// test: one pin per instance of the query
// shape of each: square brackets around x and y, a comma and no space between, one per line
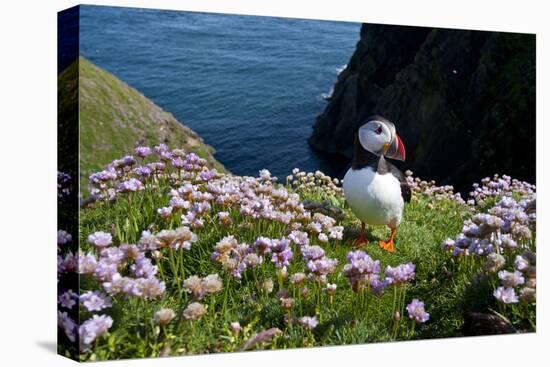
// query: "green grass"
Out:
[444,283]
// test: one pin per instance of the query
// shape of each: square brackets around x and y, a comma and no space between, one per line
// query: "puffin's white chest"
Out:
[374,198]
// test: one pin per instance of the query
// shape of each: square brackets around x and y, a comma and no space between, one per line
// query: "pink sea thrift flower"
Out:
[299,238]
[506,295]
[511,279]
[164,316]
[67,324]
[63,237]
[281,253]
[68,299]
[401,273]
[92,328]
[235,327]
[95,301]
[87,263]
[130,185]
[308,323]
[143,152]
[416,311]
[100,239]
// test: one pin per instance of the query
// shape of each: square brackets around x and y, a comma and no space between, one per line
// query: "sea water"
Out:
[250,86]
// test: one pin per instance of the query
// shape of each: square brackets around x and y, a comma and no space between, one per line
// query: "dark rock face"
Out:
[462,101]
[486,324]
[325,208]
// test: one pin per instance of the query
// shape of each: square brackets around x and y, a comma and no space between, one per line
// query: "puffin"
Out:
[376,190]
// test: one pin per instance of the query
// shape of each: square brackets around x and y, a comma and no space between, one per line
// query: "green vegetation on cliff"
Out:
[115,118]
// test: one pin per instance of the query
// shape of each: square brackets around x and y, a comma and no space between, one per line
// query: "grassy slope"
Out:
[67,95]
[114,118]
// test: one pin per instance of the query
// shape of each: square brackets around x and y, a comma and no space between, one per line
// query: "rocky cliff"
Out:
[463,101]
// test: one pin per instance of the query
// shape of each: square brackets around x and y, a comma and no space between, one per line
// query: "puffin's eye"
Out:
[378,130]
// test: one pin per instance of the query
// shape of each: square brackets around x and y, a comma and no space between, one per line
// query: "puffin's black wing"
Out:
[386,167]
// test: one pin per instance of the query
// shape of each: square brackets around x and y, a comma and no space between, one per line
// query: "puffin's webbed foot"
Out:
[388,245]
[362,240]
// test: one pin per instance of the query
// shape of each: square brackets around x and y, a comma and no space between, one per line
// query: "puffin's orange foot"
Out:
[387,245]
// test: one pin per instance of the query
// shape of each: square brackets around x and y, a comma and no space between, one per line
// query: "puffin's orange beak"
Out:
[396,149]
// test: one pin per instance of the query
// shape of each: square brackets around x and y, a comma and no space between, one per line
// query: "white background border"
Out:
[28,77]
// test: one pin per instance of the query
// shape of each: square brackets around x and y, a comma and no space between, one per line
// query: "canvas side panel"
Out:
[67,182]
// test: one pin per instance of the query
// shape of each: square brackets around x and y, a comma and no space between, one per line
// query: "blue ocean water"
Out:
[250,86]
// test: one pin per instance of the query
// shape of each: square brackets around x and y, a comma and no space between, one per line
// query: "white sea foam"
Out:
[341,68]
[328,95]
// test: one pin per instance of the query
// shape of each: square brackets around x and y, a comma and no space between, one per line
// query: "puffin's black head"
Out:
[378,136]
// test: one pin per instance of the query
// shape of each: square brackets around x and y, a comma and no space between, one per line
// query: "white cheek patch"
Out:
[371,141]
[365,138]
[387,134]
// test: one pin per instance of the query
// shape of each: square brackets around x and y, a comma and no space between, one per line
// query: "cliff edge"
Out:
[463,101]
